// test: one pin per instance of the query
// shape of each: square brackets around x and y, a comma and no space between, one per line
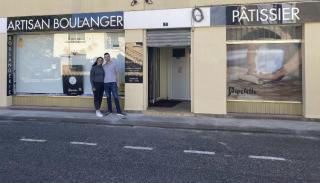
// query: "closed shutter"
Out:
[169,38]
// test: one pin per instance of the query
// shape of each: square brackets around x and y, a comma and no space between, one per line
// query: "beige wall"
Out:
[209,70]
[51,7]
[134,92]
[162,4]
[4,100]
[311,71]
[134,97]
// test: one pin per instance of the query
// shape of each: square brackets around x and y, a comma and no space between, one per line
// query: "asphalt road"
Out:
[36,152]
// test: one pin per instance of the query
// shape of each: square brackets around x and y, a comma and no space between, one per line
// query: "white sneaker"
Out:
[99,114]
[120,114]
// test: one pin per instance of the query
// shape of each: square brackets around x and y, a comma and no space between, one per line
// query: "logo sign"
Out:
[263,14]
[86,21]
[197,15]
[73,80]
[10,66]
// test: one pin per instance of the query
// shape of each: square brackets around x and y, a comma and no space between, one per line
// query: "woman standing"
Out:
[96,78]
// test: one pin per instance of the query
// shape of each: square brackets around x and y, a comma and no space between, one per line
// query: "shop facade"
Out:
[257,57]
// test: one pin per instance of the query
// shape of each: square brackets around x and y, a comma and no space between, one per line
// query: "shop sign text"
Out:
[237,91]
[265,14]
[89,21]
[10,66]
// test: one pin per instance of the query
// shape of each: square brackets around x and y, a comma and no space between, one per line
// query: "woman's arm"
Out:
[91,77]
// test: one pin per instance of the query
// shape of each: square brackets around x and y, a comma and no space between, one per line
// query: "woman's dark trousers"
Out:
[98,94]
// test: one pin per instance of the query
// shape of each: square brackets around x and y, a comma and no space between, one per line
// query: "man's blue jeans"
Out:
[112,88]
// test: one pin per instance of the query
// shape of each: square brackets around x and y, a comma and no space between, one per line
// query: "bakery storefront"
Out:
[51,56]
[258,58]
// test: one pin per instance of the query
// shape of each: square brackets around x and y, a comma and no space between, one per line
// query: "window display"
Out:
[264,63]
[41,59]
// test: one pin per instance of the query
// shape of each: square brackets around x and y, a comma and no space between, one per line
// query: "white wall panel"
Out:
[3,25]
[156,19]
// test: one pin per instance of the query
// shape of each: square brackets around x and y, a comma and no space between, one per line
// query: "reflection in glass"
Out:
[40,59]
[264,33]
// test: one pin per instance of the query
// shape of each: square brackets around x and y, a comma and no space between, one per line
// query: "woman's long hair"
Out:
[96,62]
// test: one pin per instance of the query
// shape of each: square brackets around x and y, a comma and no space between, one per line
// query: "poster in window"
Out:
[134,63]
[72,79]
[265,72]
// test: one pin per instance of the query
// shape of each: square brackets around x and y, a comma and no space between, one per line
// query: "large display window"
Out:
[44,61]
[264,63]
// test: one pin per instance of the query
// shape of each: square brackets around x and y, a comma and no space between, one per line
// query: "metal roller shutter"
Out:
[169,38]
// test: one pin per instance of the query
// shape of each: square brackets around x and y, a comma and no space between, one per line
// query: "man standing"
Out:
[111,83]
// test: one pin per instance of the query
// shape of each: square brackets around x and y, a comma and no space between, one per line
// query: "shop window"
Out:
[112,41]
[264,63]
[76,37]
[44,61]
[264,33]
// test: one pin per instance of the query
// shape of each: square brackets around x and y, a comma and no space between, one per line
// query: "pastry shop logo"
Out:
[245,91]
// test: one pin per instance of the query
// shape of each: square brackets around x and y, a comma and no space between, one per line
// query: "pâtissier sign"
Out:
[264,14]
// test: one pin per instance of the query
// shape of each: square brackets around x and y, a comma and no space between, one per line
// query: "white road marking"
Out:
[309,137]
[222,143]
[244,133]
[32,140]
[227,155]
[139,148]
[83,143]
[199,152]
[267,158]
[225,145]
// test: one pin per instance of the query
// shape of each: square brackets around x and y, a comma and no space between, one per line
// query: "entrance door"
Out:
[180,88]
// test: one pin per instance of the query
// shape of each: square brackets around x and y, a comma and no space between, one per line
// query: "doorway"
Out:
[169,79]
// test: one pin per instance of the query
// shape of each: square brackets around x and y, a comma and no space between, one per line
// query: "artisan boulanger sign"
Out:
[85,21]
[257,14]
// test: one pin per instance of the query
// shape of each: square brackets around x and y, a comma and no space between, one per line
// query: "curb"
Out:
[165,125]
[222,116]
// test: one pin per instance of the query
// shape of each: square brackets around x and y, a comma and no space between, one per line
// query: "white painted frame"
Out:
[3,25]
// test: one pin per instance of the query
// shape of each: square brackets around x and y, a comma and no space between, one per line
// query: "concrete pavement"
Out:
[292,126]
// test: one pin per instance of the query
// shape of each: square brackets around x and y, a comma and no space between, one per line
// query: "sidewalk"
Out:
[286,126]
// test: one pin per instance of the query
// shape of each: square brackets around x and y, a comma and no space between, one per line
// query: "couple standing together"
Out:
[104,77]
